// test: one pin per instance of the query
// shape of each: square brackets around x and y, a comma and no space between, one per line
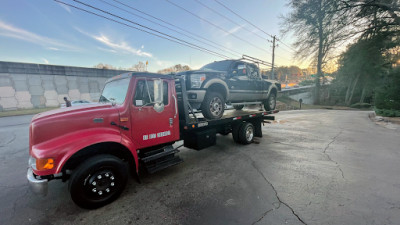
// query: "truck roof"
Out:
[139,74]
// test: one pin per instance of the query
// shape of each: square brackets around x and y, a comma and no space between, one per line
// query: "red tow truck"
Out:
[139,118]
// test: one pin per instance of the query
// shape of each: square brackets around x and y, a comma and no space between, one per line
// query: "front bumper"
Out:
[38,186]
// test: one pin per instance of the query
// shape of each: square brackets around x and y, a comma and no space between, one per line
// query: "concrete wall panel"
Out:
[7,92]
[8,103]
[23,96]
[5,80]
[26,85]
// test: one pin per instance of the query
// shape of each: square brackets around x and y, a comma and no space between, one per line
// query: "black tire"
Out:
[238,107]
[270,102]
[213,105]
[235,132]
[98,181]
[246,133]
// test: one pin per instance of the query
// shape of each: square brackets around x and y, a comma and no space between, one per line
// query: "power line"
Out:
[181,33]
[294,50]
[258,28]
[146,27]
[179,28]
[226,7]
[220,28]
[154,34]
[230,20]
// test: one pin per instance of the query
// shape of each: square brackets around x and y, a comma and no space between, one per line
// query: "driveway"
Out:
[311,167]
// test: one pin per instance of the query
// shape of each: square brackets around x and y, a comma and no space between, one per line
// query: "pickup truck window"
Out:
[115,91]
[239,69]
[144,93]
[253,72]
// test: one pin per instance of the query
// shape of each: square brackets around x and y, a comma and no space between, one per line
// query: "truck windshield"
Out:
[220,66]
[115,91]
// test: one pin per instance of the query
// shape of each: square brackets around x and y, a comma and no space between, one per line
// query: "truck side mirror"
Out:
[158,95]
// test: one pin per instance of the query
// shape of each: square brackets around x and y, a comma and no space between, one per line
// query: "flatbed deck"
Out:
[229,116]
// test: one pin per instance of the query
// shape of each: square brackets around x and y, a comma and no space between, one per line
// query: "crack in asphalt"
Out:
[329,157]
[262,217]
[14,209]
[10,141]
[276,194]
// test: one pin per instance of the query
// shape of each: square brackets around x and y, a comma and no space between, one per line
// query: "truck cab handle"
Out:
[122,127]
[176,106]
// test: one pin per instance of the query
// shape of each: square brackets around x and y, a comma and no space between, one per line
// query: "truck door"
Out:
[256,83]
[239,83]
[153,123]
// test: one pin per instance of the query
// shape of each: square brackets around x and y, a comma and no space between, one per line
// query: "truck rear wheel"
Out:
[213,105]
[270,103]
[243,133]
[246,133]
[98,181]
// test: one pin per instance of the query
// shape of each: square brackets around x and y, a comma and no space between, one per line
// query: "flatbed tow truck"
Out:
[142,116]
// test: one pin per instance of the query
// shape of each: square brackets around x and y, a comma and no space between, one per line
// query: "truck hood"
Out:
[69,110]
[57,123]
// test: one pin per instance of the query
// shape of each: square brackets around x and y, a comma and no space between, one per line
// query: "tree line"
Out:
[368,69]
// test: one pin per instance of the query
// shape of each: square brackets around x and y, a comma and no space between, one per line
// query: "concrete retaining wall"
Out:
[304,93]
[25,85]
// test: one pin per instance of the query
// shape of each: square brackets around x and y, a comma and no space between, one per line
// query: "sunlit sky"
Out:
[46,32]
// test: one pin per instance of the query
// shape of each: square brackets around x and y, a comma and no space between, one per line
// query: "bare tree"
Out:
[139,67]
[319,28]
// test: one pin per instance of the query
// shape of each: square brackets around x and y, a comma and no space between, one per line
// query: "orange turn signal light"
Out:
[44,164]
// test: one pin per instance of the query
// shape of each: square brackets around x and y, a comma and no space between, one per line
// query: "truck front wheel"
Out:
[213,105]
[98,181]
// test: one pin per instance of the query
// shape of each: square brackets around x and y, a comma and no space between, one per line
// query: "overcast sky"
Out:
[46,32]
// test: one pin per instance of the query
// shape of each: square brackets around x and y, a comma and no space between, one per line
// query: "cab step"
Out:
[159,159]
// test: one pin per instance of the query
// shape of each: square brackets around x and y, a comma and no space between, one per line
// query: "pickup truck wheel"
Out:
[246,133]
[238,107]
[270,103]
[98,181]
[213,105]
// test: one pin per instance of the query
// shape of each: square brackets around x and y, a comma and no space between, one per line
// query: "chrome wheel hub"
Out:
[216,106]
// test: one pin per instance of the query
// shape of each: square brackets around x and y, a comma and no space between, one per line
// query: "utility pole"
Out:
[273,58]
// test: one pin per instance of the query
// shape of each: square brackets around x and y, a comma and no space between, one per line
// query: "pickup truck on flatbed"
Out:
[139,118]
[234,82]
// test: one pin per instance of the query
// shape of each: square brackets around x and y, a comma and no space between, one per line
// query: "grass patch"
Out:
[24,112]
[387,112]
[361,106]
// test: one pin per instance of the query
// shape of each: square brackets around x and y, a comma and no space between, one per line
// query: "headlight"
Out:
[41,164]
[196,80]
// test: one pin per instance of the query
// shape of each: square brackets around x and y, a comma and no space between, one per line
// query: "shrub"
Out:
[387,96]
[361,105]
[307,82]
[387,112]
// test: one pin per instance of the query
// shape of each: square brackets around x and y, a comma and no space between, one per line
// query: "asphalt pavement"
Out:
[310,167]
